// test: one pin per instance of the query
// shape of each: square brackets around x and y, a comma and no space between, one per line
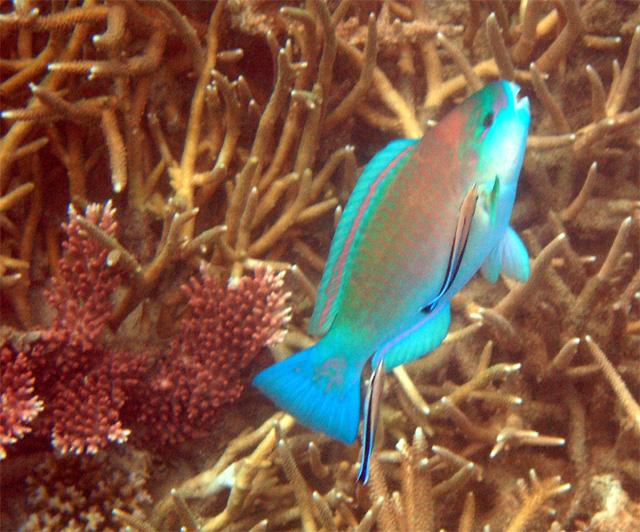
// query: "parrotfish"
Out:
[423,218]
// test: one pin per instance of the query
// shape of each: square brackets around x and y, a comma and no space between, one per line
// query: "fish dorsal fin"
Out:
[509,256]
[463,227]
[383,166]
[418,340]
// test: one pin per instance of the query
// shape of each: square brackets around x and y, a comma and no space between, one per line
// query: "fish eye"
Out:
[488,120]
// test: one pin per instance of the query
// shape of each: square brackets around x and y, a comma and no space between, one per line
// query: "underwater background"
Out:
[171,175]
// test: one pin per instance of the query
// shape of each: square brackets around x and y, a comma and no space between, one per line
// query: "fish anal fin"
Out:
[421,338]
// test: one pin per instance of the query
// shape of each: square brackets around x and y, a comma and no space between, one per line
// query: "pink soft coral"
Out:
[19,403]
[83,383]
[227,328]
[81,295]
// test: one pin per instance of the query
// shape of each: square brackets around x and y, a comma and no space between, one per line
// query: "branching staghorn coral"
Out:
[555,266]
[628,402]
[414,507]
[67,493]
[223,114]
[220,112]
[535,498]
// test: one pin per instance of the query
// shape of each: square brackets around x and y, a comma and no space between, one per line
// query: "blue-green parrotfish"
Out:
[424,216]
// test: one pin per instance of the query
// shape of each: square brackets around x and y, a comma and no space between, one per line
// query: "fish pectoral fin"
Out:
[370,416]
[491,201]
[461,235]
[509,256]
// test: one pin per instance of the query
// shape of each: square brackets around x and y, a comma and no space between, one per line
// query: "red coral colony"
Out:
[71,386]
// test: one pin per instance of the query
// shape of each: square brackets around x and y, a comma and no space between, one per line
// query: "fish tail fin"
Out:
[319,388]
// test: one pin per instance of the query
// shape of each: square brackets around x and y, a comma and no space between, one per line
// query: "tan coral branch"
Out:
[535,498]
[620,388]
[349,102]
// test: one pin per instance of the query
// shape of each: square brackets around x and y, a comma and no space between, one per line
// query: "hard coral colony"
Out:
[207,151]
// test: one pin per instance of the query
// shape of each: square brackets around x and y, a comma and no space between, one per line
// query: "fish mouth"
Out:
[519,101]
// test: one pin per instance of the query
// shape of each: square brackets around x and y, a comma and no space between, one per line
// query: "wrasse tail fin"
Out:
[416,341]
[510,256]
[318,388]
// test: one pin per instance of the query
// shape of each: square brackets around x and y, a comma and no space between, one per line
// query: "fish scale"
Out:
[403,259]
[420,222]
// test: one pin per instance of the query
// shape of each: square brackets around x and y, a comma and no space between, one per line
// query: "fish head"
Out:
[495,134]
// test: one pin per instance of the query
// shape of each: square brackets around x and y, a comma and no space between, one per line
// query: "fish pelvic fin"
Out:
[509,256]
[319,388]
[418,340]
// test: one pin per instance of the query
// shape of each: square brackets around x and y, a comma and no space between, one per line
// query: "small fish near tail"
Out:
[319,387]
[371,410]
[463,228]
